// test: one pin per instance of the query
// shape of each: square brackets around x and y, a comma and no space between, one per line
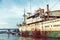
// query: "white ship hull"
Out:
[49,28]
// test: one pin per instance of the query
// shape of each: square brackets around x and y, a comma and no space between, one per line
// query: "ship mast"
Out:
[24,17]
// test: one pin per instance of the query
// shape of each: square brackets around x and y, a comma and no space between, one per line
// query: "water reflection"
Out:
[16,37]
[29,38]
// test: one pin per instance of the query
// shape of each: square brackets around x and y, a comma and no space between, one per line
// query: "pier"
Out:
[10,30]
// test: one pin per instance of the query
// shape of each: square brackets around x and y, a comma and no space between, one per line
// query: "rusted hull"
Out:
[35,34]
[25,33]
[42,34]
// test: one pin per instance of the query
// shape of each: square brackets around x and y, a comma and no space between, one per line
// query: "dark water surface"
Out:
[16,37]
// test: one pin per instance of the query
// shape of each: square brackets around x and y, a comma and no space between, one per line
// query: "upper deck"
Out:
[40,16]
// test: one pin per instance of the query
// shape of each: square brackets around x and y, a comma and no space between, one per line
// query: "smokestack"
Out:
[47,8]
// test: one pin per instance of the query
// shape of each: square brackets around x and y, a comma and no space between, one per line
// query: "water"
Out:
[16,37]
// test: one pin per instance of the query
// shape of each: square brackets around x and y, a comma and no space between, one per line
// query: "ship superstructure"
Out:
[41,24]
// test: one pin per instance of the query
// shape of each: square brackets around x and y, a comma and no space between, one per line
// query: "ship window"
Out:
[41,16]
[46,26]
[56,26]
[36,15]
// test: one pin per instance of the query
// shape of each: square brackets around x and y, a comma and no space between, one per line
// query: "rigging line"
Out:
[30,5]
[26,5]
[54,4]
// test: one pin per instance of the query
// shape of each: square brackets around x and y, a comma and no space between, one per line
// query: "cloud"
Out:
[14,12]
[11,11]
[3,23]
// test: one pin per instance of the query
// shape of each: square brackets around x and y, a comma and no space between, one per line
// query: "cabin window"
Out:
[56,25]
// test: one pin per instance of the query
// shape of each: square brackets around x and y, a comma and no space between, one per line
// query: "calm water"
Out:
[16,37]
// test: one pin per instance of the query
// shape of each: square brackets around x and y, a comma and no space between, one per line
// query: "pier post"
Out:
[8,31]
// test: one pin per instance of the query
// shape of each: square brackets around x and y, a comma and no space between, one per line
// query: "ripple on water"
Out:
[15,37]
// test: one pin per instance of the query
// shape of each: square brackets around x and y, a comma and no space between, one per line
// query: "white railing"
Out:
[49,25]
[53,25]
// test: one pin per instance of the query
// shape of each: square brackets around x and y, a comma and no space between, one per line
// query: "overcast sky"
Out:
[11,11]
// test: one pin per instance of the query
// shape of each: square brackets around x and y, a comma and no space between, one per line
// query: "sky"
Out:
[11,11]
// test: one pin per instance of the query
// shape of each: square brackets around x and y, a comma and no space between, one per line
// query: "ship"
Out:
[41,24]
